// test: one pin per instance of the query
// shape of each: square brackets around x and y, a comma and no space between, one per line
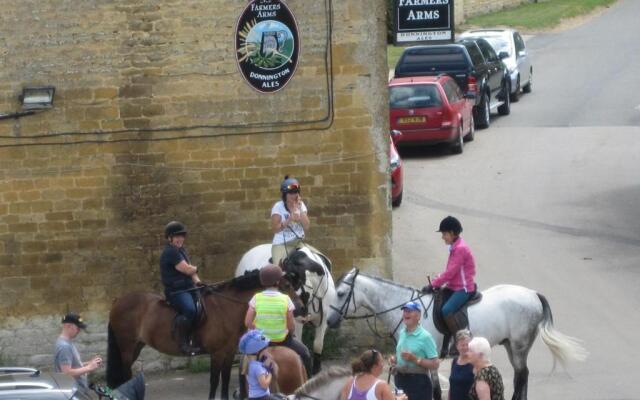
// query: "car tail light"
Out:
[472,84]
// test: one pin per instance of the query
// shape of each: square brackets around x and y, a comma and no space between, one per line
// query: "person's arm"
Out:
[483,390]
[383,392]
[86,368]
[454,265]
[187,268]
[291,322]
[264,380]
[249,318]
[277,224]
[428,363]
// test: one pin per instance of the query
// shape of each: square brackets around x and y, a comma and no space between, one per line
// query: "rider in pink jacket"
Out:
[459,275]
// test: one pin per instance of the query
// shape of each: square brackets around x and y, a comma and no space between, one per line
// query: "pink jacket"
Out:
[461,269]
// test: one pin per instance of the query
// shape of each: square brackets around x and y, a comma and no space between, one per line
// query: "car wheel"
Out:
[396,202]
[505,108]
[472,130]
[457,147]
[483,113]
[527,88]
[515,96]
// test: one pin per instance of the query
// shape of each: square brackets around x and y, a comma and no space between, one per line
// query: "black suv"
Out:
[473,64]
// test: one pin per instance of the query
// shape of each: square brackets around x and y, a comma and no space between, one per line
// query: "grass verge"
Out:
[543,15]
[540,16]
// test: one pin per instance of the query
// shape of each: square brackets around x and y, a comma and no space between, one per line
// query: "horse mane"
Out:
[377,278]
[249,281]
[322,379]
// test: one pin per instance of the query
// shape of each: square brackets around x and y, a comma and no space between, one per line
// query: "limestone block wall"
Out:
[152,122]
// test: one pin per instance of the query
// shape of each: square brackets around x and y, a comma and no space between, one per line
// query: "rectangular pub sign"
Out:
[423,21]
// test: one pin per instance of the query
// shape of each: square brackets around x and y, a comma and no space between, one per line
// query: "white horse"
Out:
[316,281]
[508,315]
[326,385]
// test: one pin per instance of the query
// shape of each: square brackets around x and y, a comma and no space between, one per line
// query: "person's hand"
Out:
[402,397]
[200,284]
[428,289]
[392,360]
[408,356]
[95,363]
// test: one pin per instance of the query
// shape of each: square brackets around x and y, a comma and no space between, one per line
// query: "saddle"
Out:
[462,320]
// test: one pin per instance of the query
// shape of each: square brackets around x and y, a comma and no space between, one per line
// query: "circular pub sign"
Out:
[267,45]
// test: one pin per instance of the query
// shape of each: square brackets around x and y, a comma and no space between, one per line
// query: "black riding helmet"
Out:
[450,224]
[174,228]
[289,185]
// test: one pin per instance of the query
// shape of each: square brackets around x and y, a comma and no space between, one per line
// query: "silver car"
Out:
[518,62]
[29,383]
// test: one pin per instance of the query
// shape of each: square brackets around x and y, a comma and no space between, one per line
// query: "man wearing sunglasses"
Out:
[289,220]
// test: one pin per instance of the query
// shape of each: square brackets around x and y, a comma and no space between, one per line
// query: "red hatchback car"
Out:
[429,110]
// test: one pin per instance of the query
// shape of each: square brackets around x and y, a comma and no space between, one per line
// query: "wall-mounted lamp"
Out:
[37,97]
[33,99]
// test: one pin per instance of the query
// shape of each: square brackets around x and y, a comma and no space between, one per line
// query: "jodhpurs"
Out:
[455,302]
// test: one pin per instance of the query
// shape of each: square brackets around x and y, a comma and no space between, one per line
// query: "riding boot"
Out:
[317,363]
[452,325]
[183,327]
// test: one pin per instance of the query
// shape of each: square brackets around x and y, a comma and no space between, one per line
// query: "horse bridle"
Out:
[344,308]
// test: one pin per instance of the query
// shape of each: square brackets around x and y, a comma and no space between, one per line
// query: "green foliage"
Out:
[544,14]
[198,365]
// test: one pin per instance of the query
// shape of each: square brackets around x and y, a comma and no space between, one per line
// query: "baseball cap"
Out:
[73,318]
[412,305]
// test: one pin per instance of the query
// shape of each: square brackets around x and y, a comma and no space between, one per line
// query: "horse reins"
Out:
[351,298]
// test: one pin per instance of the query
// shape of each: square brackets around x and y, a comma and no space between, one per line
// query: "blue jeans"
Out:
[455,302]
[184,303]
[415,386]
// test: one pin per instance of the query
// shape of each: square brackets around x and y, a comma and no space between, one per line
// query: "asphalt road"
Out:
[549,198]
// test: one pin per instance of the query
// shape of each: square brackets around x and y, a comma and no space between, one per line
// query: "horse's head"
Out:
[344,297]
[298,263]
[287,287]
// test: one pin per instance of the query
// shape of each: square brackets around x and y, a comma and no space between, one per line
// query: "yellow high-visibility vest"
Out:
[271,315]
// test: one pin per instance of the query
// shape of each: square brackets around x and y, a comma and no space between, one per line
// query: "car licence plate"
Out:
[412,120]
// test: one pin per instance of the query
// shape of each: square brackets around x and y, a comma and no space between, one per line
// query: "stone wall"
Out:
[152,122]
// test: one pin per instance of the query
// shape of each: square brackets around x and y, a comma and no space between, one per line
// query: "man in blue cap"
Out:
[416,354]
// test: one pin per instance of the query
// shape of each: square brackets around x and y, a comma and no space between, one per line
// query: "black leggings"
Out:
[299,348]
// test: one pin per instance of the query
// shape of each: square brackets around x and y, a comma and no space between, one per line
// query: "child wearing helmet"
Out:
[257,372]
[272,312]
[289,220]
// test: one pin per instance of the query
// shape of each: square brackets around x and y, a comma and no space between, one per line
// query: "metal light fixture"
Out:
[37,97]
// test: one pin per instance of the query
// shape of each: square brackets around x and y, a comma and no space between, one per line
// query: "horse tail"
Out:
[115,376]
[564,348]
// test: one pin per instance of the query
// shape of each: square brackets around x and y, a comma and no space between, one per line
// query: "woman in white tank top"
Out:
[365,384]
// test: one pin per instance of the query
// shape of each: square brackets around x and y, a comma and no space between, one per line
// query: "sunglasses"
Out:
[293,188]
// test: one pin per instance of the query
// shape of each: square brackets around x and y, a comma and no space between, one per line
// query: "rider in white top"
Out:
[289,220]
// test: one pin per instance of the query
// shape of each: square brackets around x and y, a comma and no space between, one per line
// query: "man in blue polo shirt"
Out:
[416,354]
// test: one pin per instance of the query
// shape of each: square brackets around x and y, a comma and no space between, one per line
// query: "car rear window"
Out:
[432,59]
[414,96]
[499,44]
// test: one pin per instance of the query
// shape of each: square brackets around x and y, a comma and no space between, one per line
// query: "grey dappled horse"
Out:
[508,315]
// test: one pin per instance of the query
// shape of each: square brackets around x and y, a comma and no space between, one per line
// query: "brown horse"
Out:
[139,319]
[290,372]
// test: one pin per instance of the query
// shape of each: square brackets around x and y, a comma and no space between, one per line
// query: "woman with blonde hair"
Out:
[487,384]
[365,384]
